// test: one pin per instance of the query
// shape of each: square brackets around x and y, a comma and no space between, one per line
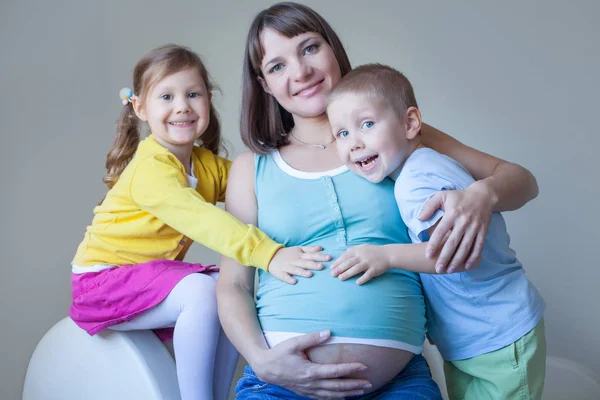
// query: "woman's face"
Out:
[299,72]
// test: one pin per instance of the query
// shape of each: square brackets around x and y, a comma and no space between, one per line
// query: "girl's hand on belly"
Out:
[297,261]
[367,258]
[288,366]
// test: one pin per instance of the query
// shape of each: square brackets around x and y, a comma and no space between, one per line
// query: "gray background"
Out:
[518,79]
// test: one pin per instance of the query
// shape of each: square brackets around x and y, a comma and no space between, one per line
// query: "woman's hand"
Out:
[288,366]
[297,261]
[462,229]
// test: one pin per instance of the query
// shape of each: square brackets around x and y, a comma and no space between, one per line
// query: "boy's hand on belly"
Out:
[299,261]
[288,366]
[367,258]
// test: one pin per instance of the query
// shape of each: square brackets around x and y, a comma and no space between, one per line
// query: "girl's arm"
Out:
[285,364]
[500,186]
[159,188]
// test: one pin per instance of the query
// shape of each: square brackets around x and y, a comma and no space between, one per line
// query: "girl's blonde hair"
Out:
[154,66]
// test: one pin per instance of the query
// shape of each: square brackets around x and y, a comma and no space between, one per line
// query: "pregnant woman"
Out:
[366,340]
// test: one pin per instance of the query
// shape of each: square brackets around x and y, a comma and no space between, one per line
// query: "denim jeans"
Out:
[412,383]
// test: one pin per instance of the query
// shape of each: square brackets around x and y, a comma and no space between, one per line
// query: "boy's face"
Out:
[370,137]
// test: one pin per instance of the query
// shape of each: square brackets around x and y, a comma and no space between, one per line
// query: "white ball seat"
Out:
[69,364]
[566,379]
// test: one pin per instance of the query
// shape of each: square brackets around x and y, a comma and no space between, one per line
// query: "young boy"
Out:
[486,322]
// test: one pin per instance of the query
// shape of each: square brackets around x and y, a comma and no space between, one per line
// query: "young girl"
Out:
[128,272]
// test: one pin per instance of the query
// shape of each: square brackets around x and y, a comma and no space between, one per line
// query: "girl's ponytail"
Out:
[124,145]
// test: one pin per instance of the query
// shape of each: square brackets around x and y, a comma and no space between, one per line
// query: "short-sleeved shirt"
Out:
[474,312]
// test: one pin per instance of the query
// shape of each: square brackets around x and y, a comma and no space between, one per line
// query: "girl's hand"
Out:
[467,215]
[298,261]
[365,258]
[288,366]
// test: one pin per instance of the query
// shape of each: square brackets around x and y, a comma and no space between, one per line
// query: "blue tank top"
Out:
[335,209]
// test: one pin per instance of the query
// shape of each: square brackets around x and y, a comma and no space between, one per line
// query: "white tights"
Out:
[205,358]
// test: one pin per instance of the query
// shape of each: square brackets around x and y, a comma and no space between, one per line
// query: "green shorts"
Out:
[516,371]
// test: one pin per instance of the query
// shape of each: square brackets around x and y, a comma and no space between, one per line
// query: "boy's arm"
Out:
[423,175]
[411,257]
[374,260]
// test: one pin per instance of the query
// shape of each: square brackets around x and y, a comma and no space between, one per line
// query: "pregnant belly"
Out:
[383,363]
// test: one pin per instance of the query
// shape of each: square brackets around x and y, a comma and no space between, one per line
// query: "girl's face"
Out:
[177,109]
[299,72]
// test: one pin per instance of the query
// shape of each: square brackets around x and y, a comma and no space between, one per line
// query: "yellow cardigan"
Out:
[152,214]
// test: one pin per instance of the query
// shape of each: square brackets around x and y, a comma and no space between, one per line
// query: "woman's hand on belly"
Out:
[383,363]
[287,365]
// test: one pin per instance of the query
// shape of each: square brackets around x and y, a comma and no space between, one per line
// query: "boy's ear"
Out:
[264,85]
[138,108]
[412,122]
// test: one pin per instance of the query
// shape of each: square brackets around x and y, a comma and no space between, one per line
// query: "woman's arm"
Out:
[509,186]
[500,186]
[285,364]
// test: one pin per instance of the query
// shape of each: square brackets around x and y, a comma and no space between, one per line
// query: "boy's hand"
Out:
[365,258]
[298,261]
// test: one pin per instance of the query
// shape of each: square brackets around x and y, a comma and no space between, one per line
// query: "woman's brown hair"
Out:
[264,123]
[154,66]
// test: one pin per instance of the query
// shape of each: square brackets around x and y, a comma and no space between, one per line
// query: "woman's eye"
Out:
[276,68]
[311,49]
[193,95]
[166,97]
[368,124]
[342,134]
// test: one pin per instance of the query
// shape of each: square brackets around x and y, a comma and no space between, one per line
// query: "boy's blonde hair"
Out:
[380,82]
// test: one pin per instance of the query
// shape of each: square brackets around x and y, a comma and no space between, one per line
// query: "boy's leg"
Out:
[457,382]
[516,371]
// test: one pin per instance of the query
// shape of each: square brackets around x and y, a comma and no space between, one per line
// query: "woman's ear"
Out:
[264,85]
[412,122]
[138,108]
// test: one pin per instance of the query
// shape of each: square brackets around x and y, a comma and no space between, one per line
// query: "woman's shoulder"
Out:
[244,162]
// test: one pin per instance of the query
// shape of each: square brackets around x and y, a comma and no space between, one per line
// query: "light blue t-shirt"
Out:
[335,209]
[474,312]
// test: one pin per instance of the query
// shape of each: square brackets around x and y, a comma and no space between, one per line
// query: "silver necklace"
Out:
[320,146]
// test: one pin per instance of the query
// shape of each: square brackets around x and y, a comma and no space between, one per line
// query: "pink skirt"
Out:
[116,295]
